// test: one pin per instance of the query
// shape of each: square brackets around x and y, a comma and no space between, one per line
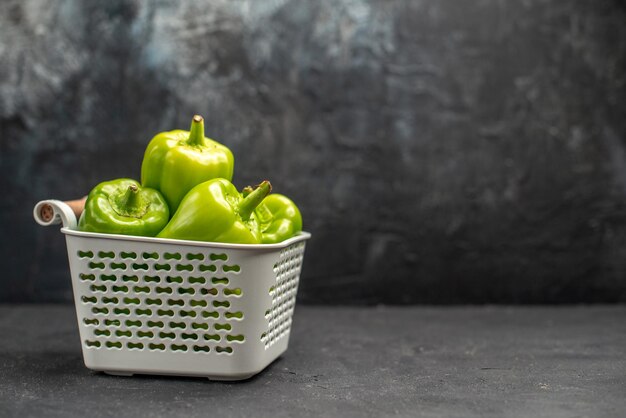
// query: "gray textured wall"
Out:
[441,151]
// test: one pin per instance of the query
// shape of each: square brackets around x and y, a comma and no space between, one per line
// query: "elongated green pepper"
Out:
[176,161]
[278,216]
[215,211]
[123,207]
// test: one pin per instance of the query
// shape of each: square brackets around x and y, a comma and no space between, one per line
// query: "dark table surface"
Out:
[418,361]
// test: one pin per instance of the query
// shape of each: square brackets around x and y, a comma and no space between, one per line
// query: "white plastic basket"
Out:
[172,307]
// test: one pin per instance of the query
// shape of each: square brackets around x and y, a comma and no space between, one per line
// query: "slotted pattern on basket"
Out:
[177,301]
[283,293]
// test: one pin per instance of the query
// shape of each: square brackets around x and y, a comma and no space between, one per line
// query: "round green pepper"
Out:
[123,207]
[278,216]
[176,161]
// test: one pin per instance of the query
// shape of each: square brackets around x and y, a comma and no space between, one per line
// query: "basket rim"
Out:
[302,236]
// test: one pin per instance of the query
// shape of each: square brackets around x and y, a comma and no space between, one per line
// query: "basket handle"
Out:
[52,212]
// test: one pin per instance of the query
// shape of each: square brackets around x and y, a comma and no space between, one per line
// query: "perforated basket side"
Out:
[283,293]
[180,309]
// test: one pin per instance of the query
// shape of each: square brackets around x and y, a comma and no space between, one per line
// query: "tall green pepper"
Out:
[278,216]
[123,207]
[215,211]
[176,161]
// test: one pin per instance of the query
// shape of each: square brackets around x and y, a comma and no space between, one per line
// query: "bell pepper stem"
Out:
[196,133]
[130,203]
[129,198]
[254,199]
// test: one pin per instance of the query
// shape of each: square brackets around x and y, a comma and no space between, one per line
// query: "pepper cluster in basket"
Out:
[186,193]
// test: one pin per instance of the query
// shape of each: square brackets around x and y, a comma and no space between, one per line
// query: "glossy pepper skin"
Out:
[176,161]
[215,211]
[123,207]
[278,216]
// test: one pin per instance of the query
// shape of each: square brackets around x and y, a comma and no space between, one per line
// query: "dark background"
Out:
[440,151]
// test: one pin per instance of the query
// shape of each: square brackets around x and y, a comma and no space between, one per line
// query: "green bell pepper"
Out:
[123,207]
[215,211]
[278,216]
[176,161]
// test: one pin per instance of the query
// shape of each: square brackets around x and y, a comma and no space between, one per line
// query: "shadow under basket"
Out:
[171,307]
